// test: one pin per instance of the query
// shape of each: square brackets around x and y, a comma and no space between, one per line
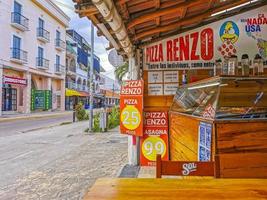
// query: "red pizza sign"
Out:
[131,106]
[14,80]
[155,139]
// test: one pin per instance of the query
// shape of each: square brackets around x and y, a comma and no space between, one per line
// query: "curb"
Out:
[29,117]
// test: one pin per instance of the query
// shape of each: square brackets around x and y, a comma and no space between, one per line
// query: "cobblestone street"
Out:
[63,162]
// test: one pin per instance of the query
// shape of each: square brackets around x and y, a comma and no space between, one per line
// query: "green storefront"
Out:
[41,99]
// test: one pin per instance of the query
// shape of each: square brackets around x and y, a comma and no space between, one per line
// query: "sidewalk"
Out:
[44,114]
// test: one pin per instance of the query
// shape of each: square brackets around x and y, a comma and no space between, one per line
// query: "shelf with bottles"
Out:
[231,66]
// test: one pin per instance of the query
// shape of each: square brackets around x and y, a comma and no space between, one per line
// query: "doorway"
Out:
[9,99]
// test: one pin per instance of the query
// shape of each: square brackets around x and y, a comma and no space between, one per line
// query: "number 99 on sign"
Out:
[130,117]
[152,146]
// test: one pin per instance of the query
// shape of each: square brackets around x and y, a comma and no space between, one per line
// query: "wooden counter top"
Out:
[168,189]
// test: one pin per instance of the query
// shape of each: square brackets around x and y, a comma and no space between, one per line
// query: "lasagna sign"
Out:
[155,139]
[131,106]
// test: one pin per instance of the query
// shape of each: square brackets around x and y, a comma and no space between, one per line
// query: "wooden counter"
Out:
[168,189]
[240,145]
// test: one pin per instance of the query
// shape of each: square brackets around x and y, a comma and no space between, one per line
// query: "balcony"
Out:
[42,63]
[18,56]
[43,35]
[59,69]
[19,21]
[85,88]
[71,85]
[60,44]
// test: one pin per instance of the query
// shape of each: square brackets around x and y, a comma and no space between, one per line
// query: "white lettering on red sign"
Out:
[14,80]
[130,101]
[156,119]
[188,168]
[131,91]
[132,88]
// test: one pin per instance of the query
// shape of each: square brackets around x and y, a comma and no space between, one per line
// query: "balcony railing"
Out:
[59,69]
[71,85]
[19,21]
[42,63]
[43,34]
[19,55]
[60,44]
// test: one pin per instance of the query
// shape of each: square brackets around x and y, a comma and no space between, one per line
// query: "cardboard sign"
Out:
[155,139]
[131,106]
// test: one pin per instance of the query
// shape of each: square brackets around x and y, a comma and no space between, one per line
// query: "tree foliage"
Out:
[121,71]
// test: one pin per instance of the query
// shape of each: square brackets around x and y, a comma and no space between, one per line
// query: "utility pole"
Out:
[91,74]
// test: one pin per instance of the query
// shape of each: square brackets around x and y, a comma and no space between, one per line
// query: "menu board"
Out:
[170,88]
[155,77]
[163,82]
[171,77]
[155,89]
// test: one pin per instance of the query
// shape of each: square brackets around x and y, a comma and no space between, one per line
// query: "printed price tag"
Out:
[152,146]
[130,117]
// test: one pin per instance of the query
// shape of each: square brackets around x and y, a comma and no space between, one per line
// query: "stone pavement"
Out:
[73,172]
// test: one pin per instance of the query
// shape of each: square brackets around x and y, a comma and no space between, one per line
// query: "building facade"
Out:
[110,89]
[78,54]
[32,56]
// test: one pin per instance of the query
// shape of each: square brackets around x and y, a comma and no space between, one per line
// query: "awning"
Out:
[84,94]
[70,93]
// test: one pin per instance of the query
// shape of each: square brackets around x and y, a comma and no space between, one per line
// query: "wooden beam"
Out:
[178,8]
[187,20]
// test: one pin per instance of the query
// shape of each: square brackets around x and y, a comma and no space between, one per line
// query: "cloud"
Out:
[83,27]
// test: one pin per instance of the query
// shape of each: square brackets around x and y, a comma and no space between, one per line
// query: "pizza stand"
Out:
[201,64]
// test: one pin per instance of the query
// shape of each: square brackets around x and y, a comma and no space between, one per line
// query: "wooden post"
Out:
[217,166]
[158,166]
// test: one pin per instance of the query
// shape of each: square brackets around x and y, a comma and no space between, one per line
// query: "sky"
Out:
[83,27]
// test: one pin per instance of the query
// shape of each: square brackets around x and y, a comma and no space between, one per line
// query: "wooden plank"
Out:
[170,189]
[242,151]
[183,137]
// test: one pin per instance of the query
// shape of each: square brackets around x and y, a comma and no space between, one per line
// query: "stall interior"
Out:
[222,117]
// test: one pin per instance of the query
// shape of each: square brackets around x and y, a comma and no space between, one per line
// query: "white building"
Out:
[32,55]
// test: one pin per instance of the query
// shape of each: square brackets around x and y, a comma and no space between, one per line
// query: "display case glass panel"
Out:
[223,97]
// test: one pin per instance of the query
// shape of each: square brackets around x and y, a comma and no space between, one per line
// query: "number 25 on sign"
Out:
[130,117]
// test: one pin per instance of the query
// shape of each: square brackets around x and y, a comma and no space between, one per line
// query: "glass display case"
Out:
[223,98]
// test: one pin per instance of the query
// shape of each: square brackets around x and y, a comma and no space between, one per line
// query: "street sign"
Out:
[155,139]
[131,106]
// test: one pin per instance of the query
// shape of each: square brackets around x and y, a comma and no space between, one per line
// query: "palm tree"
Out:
[121,71]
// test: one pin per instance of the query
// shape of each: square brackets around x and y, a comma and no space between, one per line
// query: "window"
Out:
[17,12]
[41,28]
[40,52]
[16,47]
[40,56]
[57,60]
[41,23]
[17,8]
[58,35]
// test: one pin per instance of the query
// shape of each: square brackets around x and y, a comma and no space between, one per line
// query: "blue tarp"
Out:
[96,65]
[82,57]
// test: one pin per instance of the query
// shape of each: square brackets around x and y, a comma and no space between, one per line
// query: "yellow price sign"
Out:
[152,146]
[130,117]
